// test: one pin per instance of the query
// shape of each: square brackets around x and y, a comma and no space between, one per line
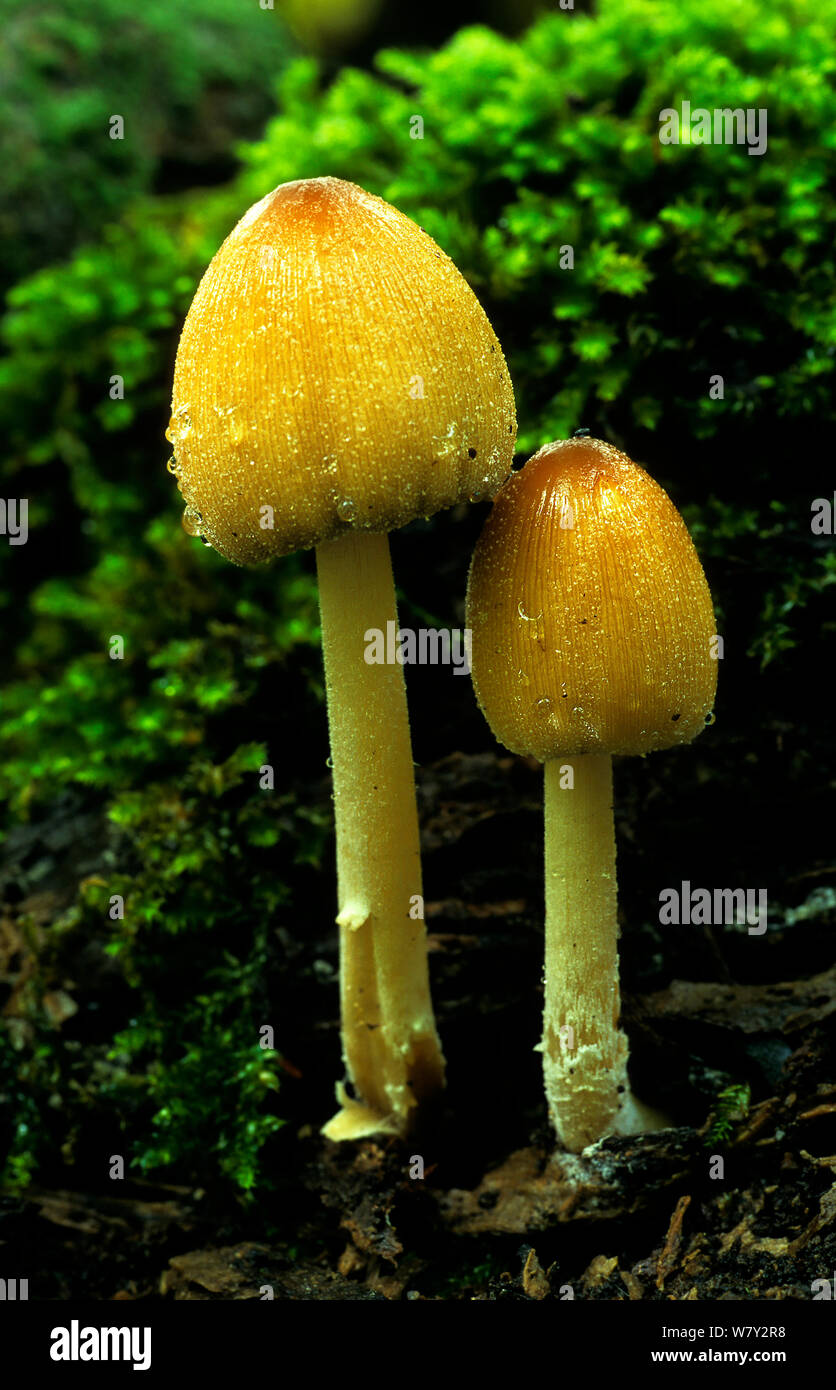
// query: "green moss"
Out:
[732,1106]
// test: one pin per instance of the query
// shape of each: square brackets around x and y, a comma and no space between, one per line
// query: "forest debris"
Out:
[634,1286]
[598,1271]
[64,1209]
[384,1282]
[351,1261]
[362,1182]
[252,1271]
[370,1230]
[93,1215]
[382,1279]
[205,1272]
[778,1247]
[695,1261]
[756,1118]
[825,1105]
[532,1190]
[824,1217]
[783,1007]
[668,1257]
[535,1283]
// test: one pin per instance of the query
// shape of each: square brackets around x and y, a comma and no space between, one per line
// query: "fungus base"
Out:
[584,1051]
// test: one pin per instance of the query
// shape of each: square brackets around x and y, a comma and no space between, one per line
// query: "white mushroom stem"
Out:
[390,1046]
[584,1051]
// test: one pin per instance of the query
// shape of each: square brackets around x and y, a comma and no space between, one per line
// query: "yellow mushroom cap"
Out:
[591,618]
[336,368]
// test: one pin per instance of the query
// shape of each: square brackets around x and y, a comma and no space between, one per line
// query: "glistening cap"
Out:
[336,370]
[592,622]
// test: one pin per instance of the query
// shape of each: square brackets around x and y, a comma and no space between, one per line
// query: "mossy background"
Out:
[140,776]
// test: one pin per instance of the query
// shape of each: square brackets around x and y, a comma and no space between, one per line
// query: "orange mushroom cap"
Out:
[591,618]
[337,370]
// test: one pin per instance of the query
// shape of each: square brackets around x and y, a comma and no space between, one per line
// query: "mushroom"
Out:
[335,379]
[592,627]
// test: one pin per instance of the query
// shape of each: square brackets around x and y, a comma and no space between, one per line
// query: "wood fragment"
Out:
[668,1258]
[535,1283]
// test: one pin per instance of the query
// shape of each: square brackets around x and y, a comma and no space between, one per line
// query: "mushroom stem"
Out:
[584,1050]
[390,1046]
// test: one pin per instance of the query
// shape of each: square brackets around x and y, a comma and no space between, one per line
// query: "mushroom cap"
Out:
[336,367]
[590,614]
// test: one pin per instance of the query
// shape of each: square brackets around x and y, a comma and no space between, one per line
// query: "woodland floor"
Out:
[499,1214]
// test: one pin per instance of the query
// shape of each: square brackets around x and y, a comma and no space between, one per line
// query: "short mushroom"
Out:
[336,378]
[592,627]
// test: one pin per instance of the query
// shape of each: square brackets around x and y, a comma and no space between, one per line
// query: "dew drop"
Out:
[710,717]
[190,521]
[526,617]
[179,425]
[173,466]
[543,705]
[346,509]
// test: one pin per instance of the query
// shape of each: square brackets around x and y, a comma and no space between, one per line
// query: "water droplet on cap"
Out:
[190,521]
[179,425]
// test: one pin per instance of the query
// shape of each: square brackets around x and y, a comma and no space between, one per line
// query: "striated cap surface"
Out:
[591,617]
[336,370]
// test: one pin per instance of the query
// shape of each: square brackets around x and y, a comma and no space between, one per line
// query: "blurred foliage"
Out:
[188,77]
[688,262]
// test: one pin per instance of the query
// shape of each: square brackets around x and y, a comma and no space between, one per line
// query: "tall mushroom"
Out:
[592,628]
[337,378]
